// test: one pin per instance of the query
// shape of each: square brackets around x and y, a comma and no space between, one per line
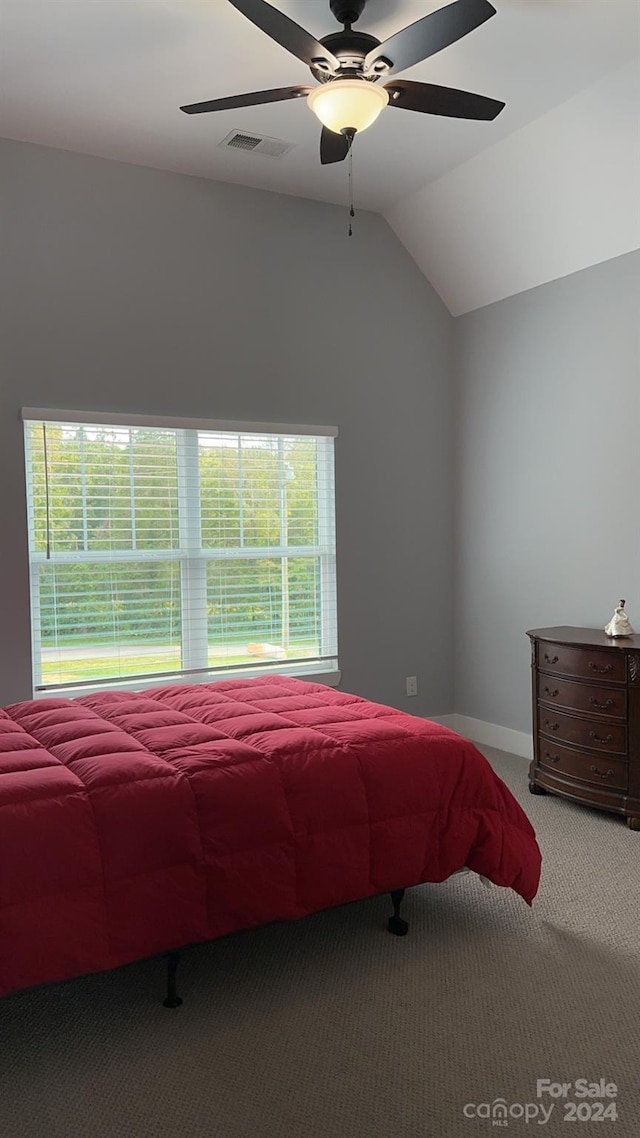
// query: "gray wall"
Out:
[129,289]
[547,456]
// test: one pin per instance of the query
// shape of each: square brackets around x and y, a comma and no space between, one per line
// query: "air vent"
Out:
[244,142]
[256,144]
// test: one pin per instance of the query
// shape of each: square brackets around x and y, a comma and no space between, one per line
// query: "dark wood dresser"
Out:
[586,718]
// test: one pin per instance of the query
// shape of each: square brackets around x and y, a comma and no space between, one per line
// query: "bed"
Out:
[133,824]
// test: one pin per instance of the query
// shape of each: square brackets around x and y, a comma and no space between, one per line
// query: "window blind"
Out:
[161,553]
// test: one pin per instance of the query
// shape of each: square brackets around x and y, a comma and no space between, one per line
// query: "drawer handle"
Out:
[552,758]
[594,735]
[602,774]
[602,706]
[553,726]
[606,668]
[553,693]
[550,659]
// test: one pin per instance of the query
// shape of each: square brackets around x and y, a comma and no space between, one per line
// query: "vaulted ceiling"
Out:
[485,208]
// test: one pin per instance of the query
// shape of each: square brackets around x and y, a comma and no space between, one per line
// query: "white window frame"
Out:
[195,669]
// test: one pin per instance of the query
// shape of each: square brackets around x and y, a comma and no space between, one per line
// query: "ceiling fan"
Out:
[349,65]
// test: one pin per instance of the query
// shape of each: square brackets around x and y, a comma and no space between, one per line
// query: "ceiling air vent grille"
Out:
[244,141]
[256,144]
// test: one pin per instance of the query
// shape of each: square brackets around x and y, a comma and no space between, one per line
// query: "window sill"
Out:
[331,678]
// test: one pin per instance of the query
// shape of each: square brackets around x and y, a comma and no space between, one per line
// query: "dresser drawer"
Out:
[605,737]
[583,663]
[601,771]
[600,701]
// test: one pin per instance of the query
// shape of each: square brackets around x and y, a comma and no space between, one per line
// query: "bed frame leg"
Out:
[173,999]
[396,924]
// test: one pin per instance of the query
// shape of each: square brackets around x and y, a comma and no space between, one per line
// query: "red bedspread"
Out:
[132,823]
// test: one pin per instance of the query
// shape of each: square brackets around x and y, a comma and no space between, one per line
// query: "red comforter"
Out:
[133,823]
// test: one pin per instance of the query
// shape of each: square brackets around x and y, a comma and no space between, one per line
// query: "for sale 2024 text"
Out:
[595,1100]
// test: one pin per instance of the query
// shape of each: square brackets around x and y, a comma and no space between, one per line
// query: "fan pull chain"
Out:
[352,212]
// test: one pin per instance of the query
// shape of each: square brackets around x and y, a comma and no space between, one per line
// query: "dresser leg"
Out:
[535,789]
[633,823]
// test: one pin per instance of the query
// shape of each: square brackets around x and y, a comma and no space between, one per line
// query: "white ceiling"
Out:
[107,77]
[559,195]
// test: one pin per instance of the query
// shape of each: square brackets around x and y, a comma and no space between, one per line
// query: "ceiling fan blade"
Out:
[251,99]
[427,36]
[433,100]
[288,34]
[333,147]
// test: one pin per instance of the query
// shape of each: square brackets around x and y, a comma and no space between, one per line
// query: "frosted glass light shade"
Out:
[345,104]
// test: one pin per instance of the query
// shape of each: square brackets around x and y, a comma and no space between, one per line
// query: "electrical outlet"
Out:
[412,685]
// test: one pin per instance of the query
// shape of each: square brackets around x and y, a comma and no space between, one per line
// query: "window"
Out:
[164,552]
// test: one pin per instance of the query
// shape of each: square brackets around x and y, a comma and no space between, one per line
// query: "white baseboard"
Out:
[491,735]
[445,720]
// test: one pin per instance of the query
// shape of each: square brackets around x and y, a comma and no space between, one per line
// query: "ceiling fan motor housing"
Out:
[347,11]
[350,49]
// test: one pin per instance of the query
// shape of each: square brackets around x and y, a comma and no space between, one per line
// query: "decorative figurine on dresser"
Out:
[586,717]
[619,625]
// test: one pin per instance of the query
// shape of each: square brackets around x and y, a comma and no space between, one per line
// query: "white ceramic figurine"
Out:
[619,625]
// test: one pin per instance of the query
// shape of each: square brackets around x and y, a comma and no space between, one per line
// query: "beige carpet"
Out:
[330,1026]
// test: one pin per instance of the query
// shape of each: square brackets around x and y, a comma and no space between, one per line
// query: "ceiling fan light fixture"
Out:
[347,104]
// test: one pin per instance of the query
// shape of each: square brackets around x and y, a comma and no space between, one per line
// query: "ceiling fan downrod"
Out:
[347,12]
